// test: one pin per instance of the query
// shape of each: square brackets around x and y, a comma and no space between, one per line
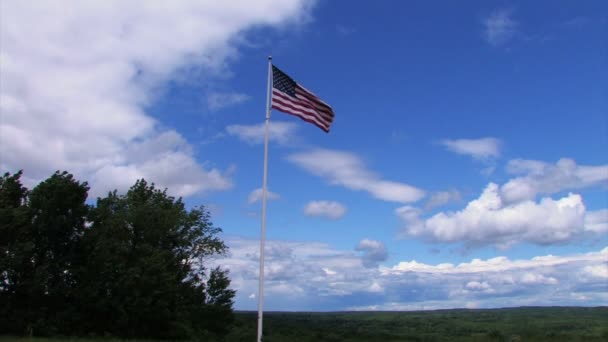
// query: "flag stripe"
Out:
[289,107]
[302,116]
[316,105]
[288,102]
[311,93]
[297,104]
[301,90]
[290,97]
[305,118]
[323,112]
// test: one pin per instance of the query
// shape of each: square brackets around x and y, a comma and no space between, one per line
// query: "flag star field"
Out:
[465,167]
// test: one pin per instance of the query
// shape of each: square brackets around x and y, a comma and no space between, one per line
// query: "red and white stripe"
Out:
[304,105]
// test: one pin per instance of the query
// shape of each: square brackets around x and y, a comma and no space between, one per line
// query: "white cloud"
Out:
[544,178]
[500,264]
[217,101]
[348,170]
[374,252]
[330,279]
[279,131]
[156,159]
[597,221]
[295,272]
[375,287]
[482,148]
[508,214]
[442,197]
[499,27]
[534,278]
[256,195]
[489,220]
[329,209]
[479,286]
[77,76]
[598,271]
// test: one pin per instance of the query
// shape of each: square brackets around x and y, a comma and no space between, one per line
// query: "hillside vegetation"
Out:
[516,324]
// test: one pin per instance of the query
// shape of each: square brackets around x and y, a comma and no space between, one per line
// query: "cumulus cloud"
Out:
[297,274]
[217,101]
[479,286]
[499,27]
[508,214]
[538,177]
[278,131]
[256,195]
[77,76]
[489,220]
[482,148]
[328,209]
[325,278]
[348,170]
[156,159]
[374,252]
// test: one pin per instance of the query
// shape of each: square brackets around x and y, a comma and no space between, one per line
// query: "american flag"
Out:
[290,97]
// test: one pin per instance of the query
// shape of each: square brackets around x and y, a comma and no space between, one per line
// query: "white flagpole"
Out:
[264,190]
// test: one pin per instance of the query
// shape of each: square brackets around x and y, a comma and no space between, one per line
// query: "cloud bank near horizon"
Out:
[304,276]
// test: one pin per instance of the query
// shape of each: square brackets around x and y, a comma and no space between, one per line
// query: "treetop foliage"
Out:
[132,265]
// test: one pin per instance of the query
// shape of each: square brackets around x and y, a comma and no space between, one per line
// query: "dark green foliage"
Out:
[219,301]
[131,266]
[16,248]
[44,229]
[516,324]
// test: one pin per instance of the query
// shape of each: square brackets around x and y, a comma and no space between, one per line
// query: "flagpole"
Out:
[264,190]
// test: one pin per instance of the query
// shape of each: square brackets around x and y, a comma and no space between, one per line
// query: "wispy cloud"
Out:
[597,221]
[345,30]
[348,170]
[278,131]
[217,101]
[256,195]
[578,22]
[440,198]
[482,149]
[328,209]
[499,27]
[538,177]
[374,252]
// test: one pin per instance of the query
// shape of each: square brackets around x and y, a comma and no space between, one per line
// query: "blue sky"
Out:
[466,165]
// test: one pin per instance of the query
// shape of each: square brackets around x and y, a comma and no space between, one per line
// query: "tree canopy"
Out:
[132,265]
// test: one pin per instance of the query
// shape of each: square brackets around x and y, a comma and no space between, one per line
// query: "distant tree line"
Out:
[130,266]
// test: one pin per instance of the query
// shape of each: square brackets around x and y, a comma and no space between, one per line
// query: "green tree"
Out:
[43,232]
[220,299]
[133,266]
[58,208]
[15,249]
[145,273]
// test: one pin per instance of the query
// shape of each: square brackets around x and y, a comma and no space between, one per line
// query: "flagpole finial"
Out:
[269,58]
